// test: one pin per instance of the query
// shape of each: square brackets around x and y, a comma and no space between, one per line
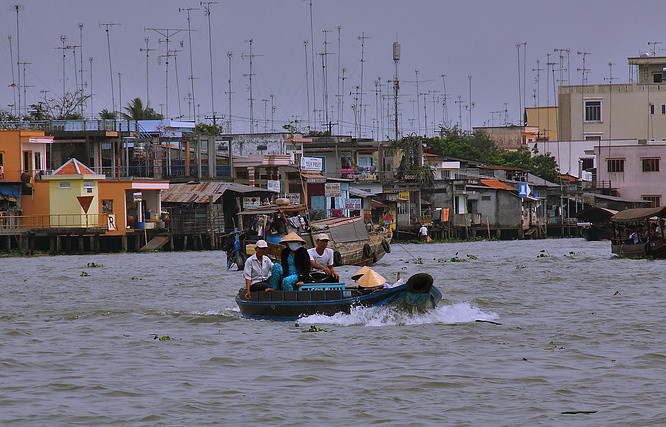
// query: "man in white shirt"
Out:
[257,270]
[321,257]
[423,233]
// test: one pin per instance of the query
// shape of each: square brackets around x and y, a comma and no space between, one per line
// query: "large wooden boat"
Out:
[648,226]
[353,241]
[417,295]
[594,223]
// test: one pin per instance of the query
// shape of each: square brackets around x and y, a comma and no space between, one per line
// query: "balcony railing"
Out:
[16,222]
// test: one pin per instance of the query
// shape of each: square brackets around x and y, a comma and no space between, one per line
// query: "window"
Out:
[587,163]
[663,108]
[656,77]
[655,200]
[593,138]
[592,111]
[615,165]
[485,197]
[650,164]
[65,184]
[651,108]
[107,206]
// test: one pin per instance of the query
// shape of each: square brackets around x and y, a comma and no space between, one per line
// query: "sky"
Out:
[457,39]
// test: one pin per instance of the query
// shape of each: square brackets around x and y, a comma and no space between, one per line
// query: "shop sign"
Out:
[332,189]
[403,196]
[273,184]
[294,198]
[353,204]
[251,202]
[311,163]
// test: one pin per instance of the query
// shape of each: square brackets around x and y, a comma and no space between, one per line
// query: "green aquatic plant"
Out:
[161,338]
[552,346]
[520,267]
[136,278]
[472,256]
[314,328]
[84,274]
[93,265]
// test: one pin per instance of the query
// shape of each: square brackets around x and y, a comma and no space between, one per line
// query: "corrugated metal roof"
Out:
[204,192]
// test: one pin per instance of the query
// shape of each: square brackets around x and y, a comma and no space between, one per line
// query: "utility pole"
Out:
[324,64]
[81,65]
[189,38]
[206,6]
[471,104]
[11,62]
[272,113]
[167,33]
[444,105]
[396,86]
[147,50]
[107,26]
[342,101]
[250,57]
[92,106]
[120,93]
[63,39]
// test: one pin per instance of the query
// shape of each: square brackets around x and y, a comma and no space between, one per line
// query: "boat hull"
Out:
[656,249]
[291,305]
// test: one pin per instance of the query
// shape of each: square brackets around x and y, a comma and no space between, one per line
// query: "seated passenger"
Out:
[294,268]
[257,270]
[372,279]
[360,272]
[321,259]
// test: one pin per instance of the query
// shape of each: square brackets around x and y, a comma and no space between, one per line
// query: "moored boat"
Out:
[639,233]
[418,294]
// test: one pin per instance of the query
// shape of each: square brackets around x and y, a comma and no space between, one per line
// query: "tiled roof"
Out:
[496,183]
[73,167]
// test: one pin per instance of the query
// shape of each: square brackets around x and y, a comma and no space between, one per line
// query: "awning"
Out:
[314,178]
[378,204]
[273,209]
[632,215]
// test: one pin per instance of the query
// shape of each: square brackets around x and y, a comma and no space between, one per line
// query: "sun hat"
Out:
[292,237]
[261,244]
[322,236]
[361,271]
[371,279]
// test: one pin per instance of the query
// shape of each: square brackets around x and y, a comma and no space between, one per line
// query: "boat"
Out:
[353,241]
[648,226]
[417,295]
[594,223]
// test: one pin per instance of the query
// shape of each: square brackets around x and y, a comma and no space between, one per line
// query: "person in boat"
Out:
[294,267]
[372,280]
[258,270]
[359,273]
[321,260]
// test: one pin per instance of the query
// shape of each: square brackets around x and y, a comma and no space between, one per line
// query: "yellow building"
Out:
[545,120]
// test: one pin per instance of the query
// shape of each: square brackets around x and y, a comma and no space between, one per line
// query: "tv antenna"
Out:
[206,5]
[167,33]
[250,57]
[147,50]
[189,38]
[362,38]
[107,27]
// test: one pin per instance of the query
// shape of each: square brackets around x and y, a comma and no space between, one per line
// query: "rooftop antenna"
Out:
[272,113]
[206,6]
[445,107]
[120,92]
[338,93]
[107,26]
[583,83]
[538,71]
[147,50]
[307,80]
[189,38]
[396,85]
[11,61]
[25,85]
[324,64]
[80,25]
[342,100]
[92,106]
[250,57]
[460,105]
[654,47]
[167,33]
[63,39]
[362,38]
[471,104]
[229,92]
[18,7]
[175,53]
[521,89]
[312,58]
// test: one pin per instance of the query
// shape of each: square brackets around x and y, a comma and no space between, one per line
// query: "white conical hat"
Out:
[371,279]
[292,237]
[361,271]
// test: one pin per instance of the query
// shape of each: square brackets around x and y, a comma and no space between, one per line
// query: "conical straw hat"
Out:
[371,279]
[292,237]
[361,271]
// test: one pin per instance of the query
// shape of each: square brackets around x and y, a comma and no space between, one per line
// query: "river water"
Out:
[549,332]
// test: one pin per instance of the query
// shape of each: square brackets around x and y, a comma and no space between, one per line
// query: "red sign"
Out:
[85,202]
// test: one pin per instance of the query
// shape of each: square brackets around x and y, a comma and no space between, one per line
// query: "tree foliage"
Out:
[479,147]
[105,114]
[206,129]
[67,107]
[411,147]
[136,111]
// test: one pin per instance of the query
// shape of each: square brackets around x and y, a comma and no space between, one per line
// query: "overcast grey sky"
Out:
[454,38]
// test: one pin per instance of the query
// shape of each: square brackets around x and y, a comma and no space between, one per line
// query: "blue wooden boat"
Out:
[417,295]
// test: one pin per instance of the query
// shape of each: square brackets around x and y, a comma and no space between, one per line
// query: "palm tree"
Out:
[136,111]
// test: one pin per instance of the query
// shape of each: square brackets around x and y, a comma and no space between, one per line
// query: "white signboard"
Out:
[294,198]
[273,184]
[251,202]
[111,222]
[332,189]
[353,204]
[311,163]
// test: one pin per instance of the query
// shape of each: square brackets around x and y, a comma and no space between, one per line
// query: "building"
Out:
[545,120]
[510,137]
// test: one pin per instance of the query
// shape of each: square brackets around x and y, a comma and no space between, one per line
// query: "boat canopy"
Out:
[595,214]
[634,215]
[273,209]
